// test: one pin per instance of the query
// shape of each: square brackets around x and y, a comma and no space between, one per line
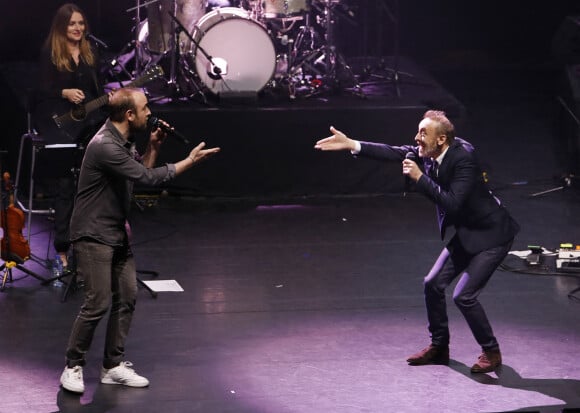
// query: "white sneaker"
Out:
[72,379]
[123,374]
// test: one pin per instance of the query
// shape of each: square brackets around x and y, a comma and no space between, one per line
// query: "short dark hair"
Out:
[445,127]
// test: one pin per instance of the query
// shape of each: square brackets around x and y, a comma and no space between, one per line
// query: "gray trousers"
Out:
[110,281]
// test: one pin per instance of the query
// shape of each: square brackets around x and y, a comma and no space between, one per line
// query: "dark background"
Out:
[457,42]
[509,30]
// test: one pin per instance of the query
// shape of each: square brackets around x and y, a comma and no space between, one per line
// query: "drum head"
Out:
[241,47]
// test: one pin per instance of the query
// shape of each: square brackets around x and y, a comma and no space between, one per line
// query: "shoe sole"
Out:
[424,362]
[77,391]
[476,371]
[436,362]
[110,381]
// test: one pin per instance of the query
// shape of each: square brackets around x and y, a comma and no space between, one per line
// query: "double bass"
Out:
[13,246]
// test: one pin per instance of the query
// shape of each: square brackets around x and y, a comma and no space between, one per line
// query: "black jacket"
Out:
[460,194]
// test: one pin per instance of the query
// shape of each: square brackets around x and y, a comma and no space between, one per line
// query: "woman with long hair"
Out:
[69,78]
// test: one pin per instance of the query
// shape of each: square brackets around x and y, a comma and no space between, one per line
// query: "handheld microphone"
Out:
[98,41]
[408,181]
[153,122]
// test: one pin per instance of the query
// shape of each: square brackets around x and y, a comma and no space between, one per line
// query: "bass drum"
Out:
[243,54]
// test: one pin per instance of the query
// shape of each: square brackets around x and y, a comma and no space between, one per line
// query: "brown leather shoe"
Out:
[487,361]
[430,355]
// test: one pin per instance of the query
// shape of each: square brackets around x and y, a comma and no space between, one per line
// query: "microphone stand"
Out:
[380,70]
[567,180]
[115,62]
[216,70]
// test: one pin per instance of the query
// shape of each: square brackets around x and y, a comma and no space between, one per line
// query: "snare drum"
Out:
[241,48]
[276,9]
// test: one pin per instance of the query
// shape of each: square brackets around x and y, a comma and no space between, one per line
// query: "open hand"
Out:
[337,142]
[198,154]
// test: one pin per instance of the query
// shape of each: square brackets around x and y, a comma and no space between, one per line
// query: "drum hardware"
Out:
[380,72]
[255,7]
[217,66]
[173,47]
[322,67]
[118,64]
[283,9]
[232,50]
[137,9]
[158,40]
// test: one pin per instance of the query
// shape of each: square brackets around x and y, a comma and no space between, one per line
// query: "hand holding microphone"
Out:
[196,155]
[408,164]
[154,123]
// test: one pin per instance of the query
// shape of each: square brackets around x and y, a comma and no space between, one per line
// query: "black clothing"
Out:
[484,233]
[63,164]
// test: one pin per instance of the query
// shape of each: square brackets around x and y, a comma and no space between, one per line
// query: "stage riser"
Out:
[270,152]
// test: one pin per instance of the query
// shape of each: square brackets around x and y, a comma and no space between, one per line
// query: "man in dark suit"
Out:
[444,168]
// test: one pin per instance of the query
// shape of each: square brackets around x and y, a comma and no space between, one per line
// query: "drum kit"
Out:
[211,48]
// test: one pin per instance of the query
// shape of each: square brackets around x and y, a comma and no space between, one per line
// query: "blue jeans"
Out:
[474,271]
[110,280]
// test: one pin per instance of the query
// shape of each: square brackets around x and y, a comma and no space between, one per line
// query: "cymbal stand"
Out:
[387,74]
[174,46]
[179,68]
[326,61]
[137,9]
[568,179]
[289,74]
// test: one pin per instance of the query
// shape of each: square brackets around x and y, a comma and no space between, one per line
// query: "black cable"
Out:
[543,270]
[571,295]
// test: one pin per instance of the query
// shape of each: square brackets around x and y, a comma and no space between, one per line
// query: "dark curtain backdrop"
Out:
[428,32]
[519,29]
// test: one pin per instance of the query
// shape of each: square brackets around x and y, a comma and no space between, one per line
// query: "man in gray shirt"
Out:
[99,232]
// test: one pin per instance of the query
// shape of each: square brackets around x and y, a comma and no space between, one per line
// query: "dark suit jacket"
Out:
[460,194]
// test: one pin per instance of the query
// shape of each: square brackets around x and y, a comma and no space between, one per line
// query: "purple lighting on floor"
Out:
[280,207]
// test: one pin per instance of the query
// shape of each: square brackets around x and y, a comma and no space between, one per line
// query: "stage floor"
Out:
[310,307]
[314,303]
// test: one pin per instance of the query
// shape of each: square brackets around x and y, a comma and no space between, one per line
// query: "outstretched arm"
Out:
[337,142]
[197,155]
